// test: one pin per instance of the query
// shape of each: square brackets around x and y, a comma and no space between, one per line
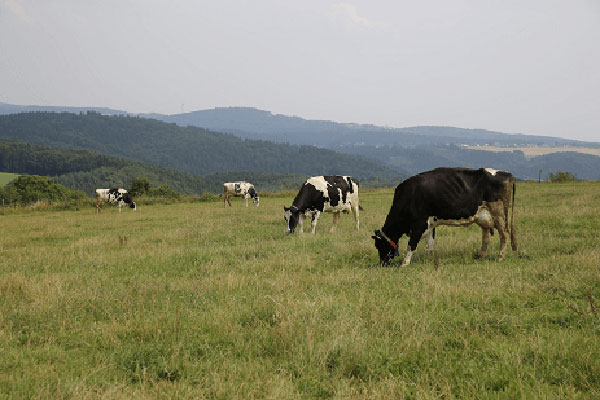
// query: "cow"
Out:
[239,189]
[319,194]
[448,196]
[119,196]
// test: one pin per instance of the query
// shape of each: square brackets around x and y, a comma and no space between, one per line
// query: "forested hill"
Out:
[189,149]
[84,170]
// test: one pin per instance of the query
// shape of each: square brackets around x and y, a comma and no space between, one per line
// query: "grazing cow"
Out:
[119,196]
[448,196]
[323,194]
[239,189]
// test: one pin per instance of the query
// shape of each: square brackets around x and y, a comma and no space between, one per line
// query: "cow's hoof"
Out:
[478,257]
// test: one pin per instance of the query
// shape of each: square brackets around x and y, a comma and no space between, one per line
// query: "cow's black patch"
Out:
[446,193]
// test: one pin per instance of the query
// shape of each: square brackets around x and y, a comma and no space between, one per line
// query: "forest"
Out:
[85,170]
[193,150]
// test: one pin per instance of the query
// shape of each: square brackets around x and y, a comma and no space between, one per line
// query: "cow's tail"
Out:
[513,234]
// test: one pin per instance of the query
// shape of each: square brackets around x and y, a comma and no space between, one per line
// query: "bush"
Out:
[561,177]
[28,189]
[163,191]
[140,186]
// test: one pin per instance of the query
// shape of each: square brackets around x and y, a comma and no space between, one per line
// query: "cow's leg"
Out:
[485,240]
[300,223]
[336,218]
[430,235]
[356,221]
[246,199]
[496,209]
[415,236]
[313,221]
[408,256]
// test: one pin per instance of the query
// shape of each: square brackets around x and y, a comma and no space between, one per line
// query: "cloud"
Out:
[18,10]
[349,13]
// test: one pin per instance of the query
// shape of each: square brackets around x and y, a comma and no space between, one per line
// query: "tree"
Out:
[561,177]
[140,186]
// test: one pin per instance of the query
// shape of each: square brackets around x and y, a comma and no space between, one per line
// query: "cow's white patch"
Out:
[492,171]
[483,218]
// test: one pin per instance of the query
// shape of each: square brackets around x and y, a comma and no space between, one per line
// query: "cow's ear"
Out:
[286,208]
[374,237]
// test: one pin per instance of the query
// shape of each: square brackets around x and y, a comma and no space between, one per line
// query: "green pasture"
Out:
[6,177]
[195,301]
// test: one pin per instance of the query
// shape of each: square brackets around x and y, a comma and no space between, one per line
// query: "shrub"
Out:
[561,177]
[28,189]
[140,186]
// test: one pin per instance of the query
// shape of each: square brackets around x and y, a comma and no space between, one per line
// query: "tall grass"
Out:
[193,300]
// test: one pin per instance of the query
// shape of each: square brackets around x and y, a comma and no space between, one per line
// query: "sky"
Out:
[515,66]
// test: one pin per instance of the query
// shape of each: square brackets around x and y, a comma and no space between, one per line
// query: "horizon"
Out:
[499,66]
[298,116]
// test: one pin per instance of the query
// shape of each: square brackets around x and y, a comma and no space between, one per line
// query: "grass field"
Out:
[6,177]
[534,151]
[206,302]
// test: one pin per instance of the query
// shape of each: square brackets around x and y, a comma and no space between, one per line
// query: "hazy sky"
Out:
[528,66]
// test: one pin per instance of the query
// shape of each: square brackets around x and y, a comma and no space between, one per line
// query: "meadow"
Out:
[6,177]
[194,300]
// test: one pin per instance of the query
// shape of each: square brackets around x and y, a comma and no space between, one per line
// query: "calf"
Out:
[239,189]
[448,196]
[319,194]
[119,196]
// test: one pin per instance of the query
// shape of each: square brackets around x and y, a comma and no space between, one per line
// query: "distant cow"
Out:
[239,189]
[323,194]
[119,196]
[448,196]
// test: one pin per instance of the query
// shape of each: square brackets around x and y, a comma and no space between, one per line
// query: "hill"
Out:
[409,150]
[260,124]
[412,150]
[84,170]
[193,150]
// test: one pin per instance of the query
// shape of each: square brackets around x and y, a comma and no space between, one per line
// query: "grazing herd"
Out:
[442,197]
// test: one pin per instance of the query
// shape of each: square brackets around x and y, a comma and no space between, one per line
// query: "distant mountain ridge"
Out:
[260,124]
[253,123]
[196,151]
[405,150]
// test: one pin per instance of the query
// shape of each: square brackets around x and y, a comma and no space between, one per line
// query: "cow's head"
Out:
[255,201]
[387,248]
[132,205]
[291,216]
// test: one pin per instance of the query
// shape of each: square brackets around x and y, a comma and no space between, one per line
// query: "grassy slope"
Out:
[209,302]
[6,177]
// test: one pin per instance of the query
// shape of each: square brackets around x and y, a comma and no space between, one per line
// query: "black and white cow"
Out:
[119,196]
[239,189]
[448,196]
[323,194]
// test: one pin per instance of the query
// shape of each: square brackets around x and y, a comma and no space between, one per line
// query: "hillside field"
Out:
[205,302]
[6,177]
